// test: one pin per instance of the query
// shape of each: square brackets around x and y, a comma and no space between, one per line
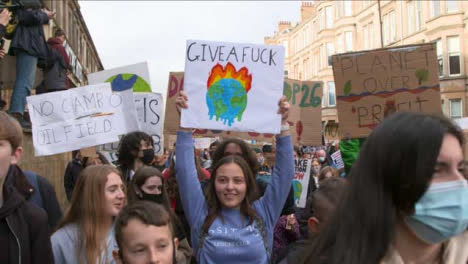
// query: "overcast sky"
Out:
[128,32]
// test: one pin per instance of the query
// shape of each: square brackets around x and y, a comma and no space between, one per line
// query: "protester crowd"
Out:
[405,200]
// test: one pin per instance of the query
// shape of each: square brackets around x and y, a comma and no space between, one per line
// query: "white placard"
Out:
[202,143]
[75,119]
[301,181]
[126,80]
[150,111]
[232,86]
[336,157]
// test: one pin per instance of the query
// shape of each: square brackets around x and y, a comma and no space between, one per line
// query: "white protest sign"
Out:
[150,112]
[75,119]
[336,157]
[301,181]
[126,80]
[233,86]
[202,143]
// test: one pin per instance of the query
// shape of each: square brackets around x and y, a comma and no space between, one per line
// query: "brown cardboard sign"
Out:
[371,85]
[304,117]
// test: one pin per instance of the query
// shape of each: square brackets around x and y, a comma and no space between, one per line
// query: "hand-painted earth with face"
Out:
[227,100]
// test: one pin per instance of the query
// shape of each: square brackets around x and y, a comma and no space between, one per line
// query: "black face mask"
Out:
[148,156]
[157,198]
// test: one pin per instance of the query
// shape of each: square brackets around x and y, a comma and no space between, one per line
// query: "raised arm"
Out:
[190,190]
[283,171]
[281,179]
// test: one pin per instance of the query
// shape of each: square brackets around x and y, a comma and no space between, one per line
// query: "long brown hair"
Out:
[214,205]
[87,211]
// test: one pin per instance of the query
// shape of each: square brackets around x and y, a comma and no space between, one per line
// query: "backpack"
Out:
[36,197]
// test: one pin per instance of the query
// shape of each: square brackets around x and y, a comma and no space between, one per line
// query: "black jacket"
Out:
[29,34]
[2,31]
[51,205]
[25,228]
[72,172]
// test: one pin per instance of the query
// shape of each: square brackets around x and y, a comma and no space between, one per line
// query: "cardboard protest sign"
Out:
[75,119]
[372,85]
[330,132]
[336,157]
[126,80]
[301,181]
[233,86]
[149,108]
[304,118]
[305,114]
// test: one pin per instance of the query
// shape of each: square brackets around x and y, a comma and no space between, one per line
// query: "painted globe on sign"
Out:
[126,81]
[226,100]
[297,187]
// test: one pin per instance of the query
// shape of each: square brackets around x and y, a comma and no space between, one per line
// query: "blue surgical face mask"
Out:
[441,213]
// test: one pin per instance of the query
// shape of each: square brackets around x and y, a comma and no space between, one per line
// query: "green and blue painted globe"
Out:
[297,187]
[126,81]
[226,100]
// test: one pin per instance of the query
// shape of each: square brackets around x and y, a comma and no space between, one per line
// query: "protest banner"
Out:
[305,114]
[336,157]
[202,143]
[330,132]
[126,80]
[301,181]
[75,119]
[231,85]
[371,85]
[304,118]
[149,108]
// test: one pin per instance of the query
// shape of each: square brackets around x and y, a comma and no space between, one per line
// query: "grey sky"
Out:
[127,32]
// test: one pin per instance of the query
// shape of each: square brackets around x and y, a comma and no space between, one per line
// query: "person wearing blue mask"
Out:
[407,200]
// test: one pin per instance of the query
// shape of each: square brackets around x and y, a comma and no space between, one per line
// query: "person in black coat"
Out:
[28,44]
[50,203]
[24,234]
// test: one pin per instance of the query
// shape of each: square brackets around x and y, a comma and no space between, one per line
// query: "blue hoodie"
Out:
[233,240]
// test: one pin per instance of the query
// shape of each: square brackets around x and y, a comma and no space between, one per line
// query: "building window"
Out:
[453,47]
[410,17]
[348,7]
[330,52]
[306,36]
[331,94]
[329,16]
[316,65]
[338,6]
[321,19]
[435,7]
[451,6]
[369,36]
[392,26]
[348,41]
[339,43]
[323,56]
[440,58]
[418,15]
[386,30]
[455,108]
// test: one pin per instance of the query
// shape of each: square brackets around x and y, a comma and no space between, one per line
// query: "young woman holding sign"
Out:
[407,200]
[228,226]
